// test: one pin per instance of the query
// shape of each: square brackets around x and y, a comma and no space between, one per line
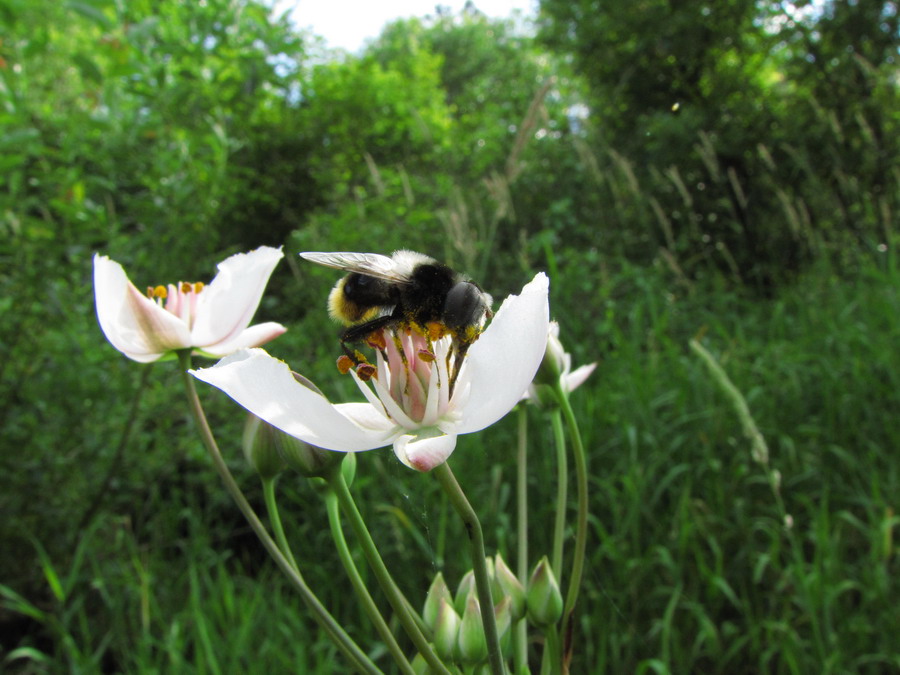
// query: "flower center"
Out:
[411,379]
[179,299]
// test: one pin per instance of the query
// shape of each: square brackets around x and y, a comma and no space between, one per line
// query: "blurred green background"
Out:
[725,170]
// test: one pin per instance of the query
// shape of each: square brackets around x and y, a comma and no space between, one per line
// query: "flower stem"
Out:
[343,641]
[275,519]
[473,527]
[562,492]
[119,454]
[520,637]
[338,485]
[552,665]
[371,609]
[581,482]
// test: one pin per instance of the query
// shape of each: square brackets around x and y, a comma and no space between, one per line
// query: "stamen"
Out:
[426,355]
[344,364]
[366,371]
[157,292]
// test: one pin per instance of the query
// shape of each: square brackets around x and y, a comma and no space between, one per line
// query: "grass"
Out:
[697,560]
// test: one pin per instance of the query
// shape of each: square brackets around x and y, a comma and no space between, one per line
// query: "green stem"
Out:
[343,641]
[581,482]
[562,494]
[275,519]
[371,609]
[114,466]
[520,637]
[339,487]
[553,664]
[473,526]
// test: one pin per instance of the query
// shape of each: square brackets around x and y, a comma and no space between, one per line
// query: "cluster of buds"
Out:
[455,619]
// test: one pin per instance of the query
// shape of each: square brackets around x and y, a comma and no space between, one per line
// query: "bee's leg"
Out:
[360,332]
[460,349]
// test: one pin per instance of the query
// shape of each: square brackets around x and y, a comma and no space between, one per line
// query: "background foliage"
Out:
[725,170]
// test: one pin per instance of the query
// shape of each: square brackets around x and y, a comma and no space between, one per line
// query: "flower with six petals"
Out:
[213,320]
[409,402]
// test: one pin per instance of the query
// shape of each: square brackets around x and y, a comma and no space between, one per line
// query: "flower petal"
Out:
[502,362]
[134,324]
[226,306]
[368,417]
[577,377]
[254,336]
[265,386]
[423,453]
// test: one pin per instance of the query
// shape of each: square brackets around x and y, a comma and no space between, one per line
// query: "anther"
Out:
[344,364]
[366,371]
[376,340]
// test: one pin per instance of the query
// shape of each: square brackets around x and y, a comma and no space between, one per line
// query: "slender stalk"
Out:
[116,462]
[338,485]
[562,493]
[371,609]
[343,641]
[581,482]
[275,519]
[476,537]
[552,665]
[759,452]
[520,637]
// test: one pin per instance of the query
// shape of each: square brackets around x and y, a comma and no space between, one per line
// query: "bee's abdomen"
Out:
[357,298]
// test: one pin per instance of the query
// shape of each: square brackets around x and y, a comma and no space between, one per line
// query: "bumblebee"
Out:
[409,290]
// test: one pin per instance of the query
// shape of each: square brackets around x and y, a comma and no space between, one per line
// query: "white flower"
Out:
[213,319]
[557,363]
[408,403]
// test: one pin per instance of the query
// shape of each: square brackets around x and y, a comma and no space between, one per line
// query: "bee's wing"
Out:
[370,264]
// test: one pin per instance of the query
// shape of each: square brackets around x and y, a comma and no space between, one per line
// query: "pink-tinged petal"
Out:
[502,362]
[265,386]
[254,336]
[226,306]
[577,377]
[423,453]
[134,324]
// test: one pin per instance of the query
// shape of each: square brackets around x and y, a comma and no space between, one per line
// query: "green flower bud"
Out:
[503,617]
[306,459]
[437,592]
[471,642]
[555,361]
[466,587]
[259,441]
[348,468]
[543,599]
[510,587]
[420,665]
[446,629]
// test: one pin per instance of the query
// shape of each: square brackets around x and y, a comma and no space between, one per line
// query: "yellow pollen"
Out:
[427,356]
[435,330]
[158,292]
[199,286]
[344,364]
[376,340]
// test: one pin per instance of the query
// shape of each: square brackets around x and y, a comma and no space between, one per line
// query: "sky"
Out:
[347,24]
